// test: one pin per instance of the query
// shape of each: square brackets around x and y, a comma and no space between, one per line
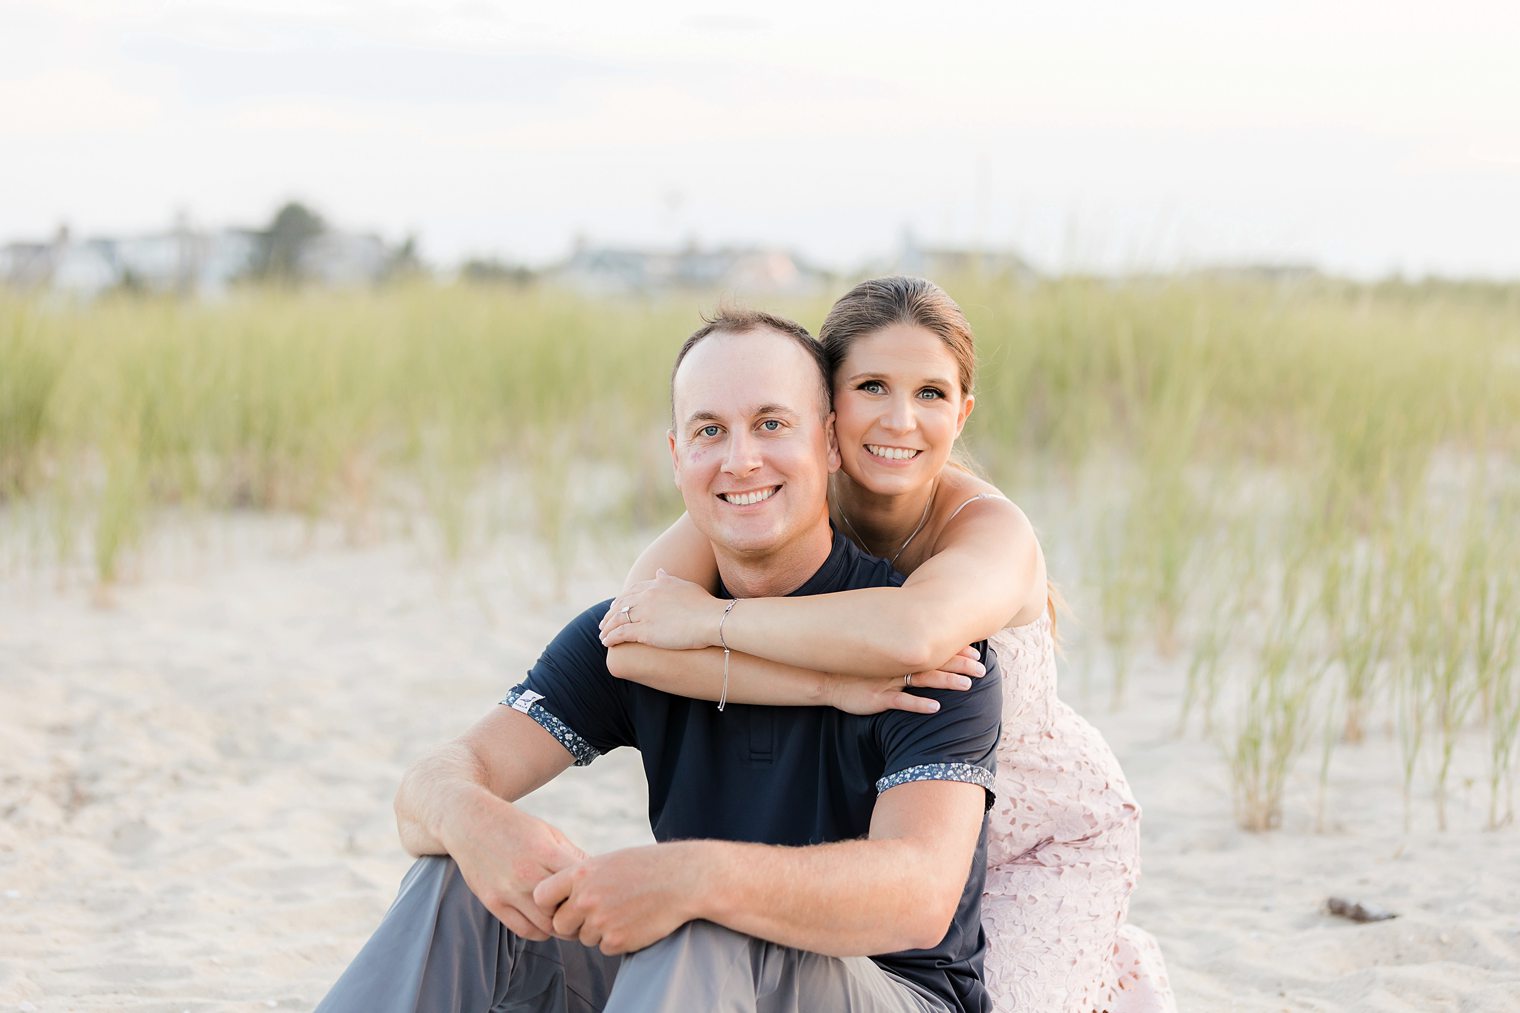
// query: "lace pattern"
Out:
[1063,855]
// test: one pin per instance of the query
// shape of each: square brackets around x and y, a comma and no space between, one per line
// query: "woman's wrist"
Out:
[722,624]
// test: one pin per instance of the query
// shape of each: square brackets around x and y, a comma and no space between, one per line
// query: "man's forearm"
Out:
[852,898]
[457,801]
[436,794]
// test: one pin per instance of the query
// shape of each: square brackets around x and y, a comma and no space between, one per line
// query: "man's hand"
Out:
[855,695]
[503,854]
[624,900]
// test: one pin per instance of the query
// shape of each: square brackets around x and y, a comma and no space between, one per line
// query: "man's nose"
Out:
[743,454]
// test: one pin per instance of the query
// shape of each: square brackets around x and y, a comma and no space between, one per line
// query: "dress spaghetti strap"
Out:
[973,499]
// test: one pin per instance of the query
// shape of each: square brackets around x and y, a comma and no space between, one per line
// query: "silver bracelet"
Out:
[723,695]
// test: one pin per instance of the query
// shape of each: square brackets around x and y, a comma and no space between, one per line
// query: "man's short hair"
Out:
[736,320]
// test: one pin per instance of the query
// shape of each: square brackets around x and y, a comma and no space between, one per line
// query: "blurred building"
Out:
[345,259]
[183,261]
[609,270]
[947,262]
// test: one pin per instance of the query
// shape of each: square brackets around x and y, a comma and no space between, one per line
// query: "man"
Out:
[793,842]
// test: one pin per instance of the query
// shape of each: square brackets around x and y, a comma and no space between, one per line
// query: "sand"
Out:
[197,780]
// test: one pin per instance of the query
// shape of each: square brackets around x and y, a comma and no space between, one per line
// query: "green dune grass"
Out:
[1317,477]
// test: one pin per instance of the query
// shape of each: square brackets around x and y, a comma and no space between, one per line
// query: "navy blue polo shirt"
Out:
[781,775]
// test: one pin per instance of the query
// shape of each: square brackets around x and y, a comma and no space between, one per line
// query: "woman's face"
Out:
[898,408]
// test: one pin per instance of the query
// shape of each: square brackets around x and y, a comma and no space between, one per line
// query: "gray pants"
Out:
[438,948]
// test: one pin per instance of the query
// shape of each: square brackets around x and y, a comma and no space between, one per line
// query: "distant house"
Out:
[1283,274]
[68,266]
[82,270]
[225,256]
[603,270]
[345,259]
[606,270]
[936,262]
[182,261]
[26,265]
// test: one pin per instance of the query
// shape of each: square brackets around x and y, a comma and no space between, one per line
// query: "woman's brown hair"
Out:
[899,299]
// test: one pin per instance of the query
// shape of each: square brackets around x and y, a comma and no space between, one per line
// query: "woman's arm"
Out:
[682,550]
[987,568]
[698,675]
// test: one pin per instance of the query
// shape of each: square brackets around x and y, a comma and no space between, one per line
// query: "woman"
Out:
[1063,845]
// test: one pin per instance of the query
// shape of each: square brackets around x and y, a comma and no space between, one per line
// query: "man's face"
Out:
[752,449]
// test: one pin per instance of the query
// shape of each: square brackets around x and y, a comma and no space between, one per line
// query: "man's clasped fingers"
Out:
[621,901]
[517,910]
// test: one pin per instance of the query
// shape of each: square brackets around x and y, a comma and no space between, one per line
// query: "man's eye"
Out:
[708,431]
[771,425]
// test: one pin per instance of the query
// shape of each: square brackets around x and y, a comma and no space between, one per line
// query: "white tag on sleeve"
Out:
[526,701]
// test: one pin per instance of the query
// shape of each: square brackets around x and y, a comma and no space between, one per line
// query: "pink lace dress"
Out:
[1063,855]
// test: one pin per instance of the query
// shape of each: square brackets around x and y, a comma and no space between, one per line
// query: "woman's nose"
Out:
[899,417]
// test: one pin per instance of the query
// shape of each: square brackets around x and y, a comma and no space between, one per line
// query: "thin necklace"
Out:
[911,535]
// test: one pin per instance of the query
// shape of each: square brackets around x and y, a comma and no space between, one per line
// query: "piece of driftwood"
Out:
[1357,911]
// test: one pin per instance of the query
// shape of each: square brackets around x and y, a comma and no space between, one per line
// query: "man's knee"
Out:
[702,937]
[698,966]
[699,948]
[435,881]
[436,871]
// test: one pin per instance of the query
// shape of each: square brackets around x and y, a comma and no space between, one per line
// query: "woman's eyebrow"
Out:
[933,381]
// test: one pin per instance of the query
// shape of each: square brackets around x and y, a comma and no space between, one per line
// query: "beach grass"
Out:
[1306,495]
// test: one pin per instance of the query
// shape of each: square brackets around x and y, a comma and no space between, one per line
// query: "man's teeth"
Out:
[892,453]
[747,498]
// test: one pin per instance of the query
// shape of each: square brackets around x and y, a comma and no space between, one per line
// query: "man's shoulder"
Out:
[571,693]
[578,645]
[857,568]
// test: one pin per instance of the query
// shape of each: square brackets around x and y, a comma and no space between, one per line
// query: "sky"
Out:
[1365,138]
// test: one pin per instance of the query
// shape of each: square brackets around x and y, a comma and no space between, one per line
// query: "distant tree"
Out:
[294,226]
[405,261]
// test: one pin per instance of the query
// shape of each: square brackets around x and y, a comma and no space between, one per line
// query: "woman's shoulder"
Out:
[964,496]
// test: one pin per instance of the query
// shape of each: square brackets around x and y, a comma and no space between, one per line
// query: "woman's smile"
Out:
[889,453]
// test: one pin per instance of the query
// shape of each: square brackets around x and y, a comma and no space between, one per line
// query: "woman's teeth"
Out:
[747,498]
[892,453]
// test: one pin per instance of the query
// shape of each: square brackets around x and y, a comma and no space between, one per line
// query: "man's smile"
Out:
[749,497]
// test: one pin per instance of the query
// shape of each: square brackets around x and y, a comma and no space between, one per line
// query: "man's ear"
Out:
[833,438]
[967,403]
[675,459]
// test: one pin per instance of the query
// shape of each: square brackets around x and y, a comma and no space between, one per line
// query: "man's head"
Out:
[733,320]
[751,437]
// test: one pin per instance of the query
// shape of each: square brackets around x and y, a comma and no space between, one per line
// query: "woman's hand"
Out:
[665,612]
[855,695]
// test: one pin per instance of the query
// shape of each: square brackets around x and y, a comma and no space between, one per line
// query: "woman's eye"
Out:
[929,393]
[872,387]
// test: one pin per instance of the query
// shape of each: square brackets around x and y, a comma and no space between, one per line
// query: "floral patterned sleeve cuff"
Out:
[525,701]
[970,773]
